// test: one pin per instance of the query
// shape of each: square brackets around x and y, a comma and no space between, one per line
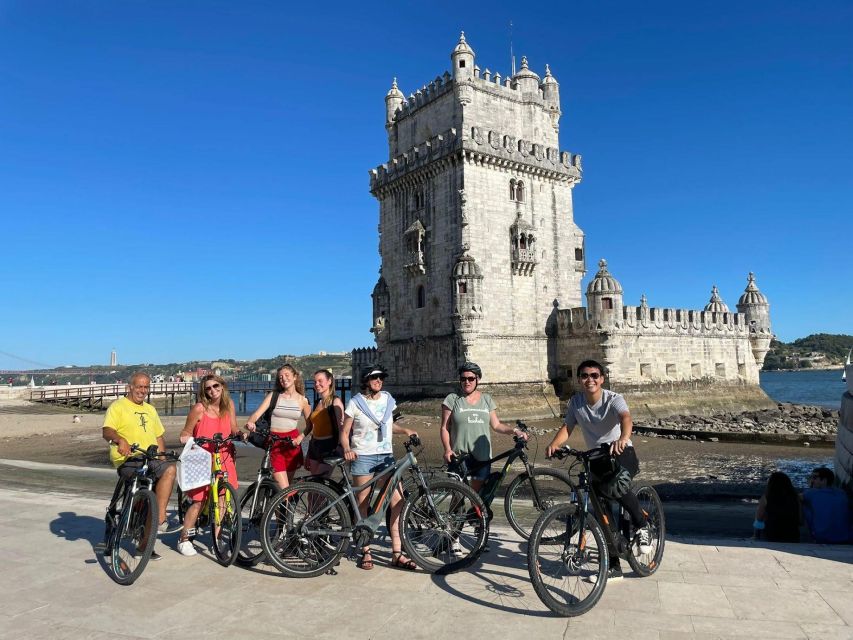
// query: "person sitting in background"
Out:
[777,518]
[826,509]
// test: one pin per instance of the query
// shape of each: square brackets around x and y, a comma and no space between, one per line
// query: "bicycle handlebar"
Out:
[565,451]
[152,453]
[217,440]
[413,441]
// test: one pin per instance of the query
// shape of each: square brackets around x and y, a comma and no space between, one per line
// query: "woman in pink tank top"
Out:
[213,413]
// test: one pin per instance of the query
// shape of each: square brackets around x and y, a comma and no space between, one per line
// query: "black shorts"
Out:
[156,467]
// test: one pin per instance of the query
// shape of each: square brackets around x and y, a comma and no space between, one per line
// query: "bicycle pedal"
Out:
[195,531]
[331,572]
[100,547]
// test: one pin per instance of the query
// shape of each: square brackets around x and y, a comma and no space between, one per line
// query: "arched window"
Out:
[519,191]
[421,297]
[512,189]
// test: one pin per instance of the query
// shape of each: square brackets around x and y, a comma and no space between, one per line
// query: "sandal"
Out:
[399,561]
[366,561]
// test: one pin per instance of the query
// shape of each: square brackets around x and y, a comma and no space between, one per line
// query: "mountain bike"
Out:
[307,527]
[571,544]
[254,503]
[131,520]
[529,494]
[221,509]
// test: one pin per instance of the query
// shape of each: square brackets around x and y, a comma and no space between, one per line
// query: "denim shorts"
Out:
[365,465]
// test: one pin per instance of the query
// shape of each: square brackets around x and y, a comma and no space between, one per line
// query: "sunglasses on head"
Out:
[215,385]
[594,375]
[467,378]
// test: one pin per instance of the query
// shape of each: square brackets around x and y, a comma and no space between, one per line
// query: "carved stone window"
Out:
[522,247]
[607,303]
[516,190]
[414,238]
[462,287]
[421,297]
[418,199]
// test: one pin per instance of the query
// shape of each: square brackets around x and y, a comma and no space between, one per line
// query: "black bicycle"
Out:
[254,502]
[532,492]
[131,520]
[308,526]
[571,544]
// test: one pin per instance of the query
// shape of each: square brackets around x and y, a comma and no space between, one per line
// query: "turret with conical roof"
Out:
[526,80]
[463,60]
[754,305]
[393,101]
[604,297]
[716,303]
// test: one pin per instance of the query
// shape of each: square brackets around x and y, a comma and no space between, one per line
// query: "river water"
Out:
[822,388]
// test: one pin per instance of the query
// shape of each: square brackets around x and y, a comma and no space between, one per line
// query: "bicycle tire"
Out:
[568,570]
[451,536]
[646,564]
[301,550]
[133,539]
[226,533]
[553,486]
[251,550]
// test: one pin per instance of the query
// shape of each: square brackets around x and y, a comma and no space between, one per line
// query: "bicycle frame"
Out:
[392,476]
[600,508]
[217,473]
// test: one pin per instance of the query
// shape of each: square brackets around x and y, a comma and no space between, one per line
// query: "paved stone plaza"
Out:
[54,587]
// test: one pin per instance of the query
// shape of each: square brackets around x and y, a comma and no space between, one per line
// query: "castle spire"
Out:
[393,101]
[463,59]
[716,303]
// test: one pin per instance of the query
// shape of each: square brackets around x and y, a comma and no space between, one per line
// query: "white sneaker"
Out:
[456,549]
[186,548]
[644,540]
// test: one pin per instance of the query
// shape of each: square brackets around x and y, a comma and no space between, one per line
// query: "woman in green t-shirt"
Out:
[465,421]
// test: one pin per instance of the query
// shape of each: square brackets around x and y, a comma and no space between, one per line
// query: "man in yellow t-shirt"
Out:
[131,420]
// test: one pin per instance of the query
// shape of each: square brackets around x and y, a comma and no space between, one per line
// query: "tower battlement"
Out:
[661,320]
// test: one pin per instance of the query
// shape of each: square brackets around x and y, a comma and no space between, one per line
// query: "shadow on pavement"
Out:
[71,527]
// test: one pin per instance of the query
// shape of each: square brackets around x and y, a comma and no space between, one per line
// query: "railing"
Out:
[82,392]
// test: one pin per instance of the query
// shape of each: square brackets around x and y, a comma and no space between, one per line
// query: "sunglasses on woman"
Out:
[213,386]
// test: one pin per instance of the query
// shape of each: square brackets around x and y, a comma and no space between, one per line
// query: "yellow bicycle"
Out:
[221,510]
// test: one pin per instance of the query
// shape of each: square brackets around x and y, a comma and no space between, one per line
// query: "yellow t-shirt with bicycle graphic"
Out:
[136,423]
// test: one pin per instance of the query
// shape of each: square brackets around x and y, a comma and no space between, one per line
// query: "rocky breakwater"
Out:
[785,424]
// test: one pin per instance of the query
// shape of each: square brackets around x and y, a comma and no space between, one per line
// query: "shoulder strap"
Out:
[273,402]
[333,419]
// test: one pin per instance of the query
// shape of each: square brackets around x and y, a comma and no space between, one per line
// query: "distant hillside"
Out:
[339,364]
[820,350]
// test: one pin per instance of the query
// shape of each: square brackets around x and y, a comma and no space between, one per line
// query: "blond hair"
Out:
[224,399]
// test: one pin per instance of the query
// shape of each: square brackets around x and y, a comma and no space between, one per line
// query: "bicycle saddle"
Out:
[334,461]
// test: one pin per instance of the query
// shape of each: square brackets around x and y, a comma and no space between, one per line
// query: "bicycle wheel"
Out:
[645,564]
[521,505]
[445,529]
[133,539]
[567,566]
[226,533]
[251,551]
[305,530]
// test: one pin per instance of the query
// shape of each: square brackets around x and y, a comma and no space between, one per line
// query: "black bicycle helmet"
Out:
[473,367]
[373,369]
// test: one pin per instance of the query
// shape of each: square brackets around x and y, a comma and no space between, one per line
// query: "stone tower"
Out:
[477,235]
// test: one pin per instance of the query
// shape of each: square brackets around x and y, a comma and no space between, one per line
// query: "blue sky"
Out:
[188,180]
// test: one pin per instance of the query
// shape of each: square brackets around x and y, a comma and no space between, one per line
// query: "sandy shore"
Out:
[679,468]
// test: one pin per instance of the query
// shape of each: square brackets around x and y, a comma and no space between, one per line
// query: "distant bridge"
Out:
[94,396]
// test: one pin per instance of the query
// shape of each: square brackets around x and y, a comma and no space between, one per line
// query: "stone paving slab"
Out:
[55,587]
